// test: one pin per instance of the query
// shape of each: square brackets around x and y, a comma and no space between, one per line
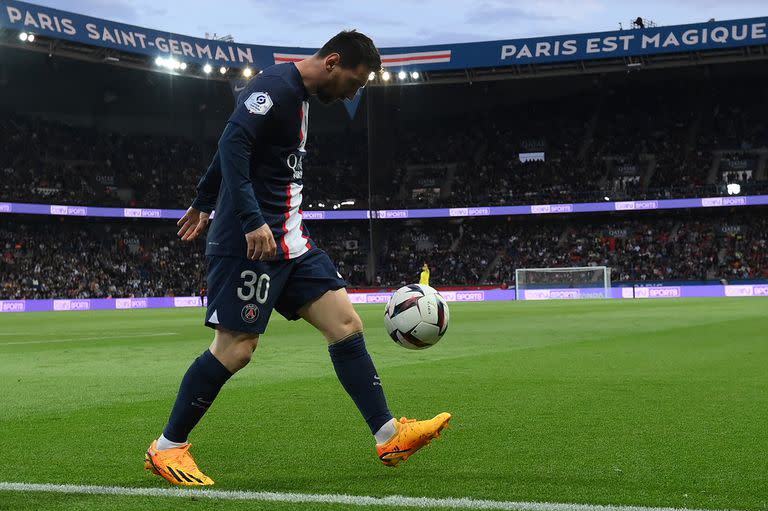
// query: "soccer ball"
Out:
[416,316]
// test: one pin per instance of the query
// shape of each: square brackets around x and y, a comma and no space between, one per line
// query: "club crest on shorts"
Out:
[250,313]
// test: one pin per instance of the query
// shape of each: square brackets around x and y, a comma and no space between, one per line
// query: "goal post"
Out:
[562,283]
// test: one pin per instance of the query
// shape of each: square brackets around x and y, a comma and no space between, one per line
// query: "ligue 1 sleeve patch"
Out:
[258,103]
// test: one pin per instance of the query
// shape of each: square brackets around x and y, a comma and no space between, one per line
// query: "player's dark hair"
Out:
[354,48]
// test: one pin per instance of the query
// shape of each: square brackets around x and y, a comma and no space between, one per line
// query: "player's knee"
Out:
[351,323]
[242,352]
[233,349]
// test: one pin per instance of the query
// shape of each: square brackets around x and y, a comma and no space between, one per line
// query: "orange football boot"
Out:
[176,466]
[411,436]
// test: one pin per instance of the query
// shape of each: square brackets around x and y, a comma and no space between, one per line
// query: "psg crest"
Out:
[250,313]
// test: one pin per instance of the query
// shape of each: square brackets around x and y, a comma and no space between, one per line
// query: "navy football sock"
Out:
[357,375]
[198,389]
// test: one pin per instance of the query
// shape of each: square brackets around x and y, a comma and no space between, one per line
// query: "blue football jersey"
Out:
[271,116]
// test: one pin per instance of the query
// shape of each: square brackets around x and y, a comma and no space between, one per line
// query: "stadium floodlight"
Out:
[247,72]
[371,76]
[24,36]
[415,75]
[733,188]
[207,69]
[170,63]
[386,76]
[402,75]
[222,70]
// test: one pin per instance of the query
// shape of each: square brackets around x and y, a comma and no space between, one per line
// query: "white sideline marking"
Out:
[73,339]
[390,501]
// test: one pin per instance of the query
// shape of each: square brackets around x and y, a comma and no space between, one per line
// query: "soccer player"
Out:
[261,257]
[424,275]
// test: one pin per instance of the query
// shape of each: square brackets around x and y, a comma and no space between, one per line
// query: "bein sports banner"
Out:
[492,295]
[59,24]
[394,214]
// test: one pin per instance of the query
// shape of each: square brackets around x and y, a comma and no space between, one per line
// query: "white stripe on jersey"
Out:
[294,243]
[304,125]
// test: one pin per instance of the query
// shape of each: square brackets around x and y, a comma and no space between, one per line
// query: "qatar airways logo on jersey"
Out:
[295,162]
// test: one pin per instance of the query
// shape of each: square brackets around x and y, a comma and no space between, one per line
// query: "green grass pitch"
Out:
[649,403]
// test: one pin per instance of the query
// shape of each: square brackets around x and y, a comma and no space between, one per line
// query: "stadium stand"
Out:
[658,134]
[96,259]
[609,145]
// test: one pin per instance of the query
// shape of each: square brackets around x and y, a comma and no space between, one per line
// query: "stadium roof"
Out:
[72,35]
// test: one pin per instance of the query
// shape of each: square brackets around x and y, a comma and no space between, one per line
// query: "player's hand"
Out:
[192,224]
[261,244]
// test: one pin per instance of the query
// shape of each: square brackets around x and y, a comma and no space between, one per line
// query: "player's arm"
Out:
[195,219]
[208,186]
[245,133]
[235,147]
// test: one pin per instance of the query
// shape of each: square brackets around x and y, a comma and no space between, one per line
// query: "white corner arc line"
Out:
[355,500]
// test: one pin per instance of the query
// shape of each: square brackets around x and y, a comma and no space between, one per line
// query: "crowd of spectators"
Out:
[606,145]
[52,162]
[81,259]
[661,248]
[97,260]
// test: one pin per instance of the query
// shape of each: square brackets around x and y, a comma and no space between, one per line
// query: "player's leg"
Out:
[238,310]
[316,293]
[169,456]
[333,315]
[229,352]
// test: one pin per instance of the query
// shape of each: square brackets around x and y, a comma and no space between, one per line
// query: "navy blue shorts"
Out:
[243,293]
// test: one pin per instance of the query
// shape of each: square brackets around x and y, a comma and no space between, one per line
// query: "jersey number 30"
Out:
[253,285]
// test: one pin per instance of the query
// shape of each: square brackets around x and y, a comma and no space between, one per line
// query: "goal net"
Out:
[563,283]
